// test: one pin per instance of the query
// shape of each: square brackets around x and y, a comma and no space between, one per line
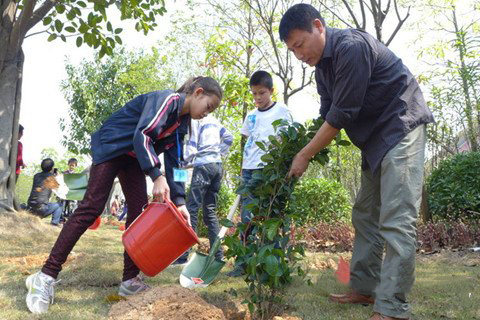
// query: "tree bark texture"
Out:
[15,22]
[10,93]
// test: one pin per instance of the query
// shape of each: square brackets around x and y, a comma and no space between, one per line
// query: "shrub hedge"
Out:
[321,200]
[454,188]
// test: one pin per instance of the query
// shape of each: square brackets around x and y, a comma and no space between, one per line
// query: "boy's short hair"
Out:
[72,160]
[20,129]
[299,16]
[261,78]
[47,165]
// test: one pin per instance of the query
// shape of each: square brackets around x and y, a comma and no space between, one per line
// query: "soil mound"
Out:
[165,303]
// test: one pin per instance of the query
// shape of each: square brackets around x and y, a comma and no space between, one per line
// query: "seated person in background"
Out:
[39,196]
[72,164]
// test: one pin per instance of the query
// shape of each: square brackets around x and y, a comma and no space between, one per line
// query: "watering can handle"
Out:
[173,205]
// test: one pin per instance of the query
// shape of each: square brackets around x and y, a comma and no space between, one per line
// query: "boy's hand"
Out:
[299,165]
[183,210]
[161,190]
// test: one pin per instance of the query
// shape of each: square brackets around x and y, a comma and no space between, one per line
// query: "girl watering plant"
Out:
[127,145]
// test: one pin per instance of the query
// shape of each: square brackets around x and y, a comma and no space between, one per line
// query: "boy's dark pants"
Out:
[132,180]
[206,182]
[245,214]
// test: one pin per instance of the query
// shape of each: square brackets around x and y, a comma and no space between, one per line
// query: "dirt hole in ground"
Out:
[176,303]
[173,303]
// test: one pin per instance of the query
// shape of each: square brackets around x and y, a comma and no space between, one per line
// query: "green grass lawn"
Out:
[447,285]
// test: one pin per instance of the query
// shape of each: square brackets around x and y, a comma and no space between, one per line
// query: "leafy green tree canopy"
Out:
[95,28]
[96,89]
[90,22]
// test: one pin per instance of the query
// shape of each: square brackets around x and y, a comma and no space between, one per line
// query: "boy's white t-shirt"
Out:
[258,127]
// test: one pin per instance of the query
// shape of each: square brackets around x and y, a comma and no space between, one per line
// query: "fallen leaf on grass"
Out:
[343,271]
[114,298]
[331,264]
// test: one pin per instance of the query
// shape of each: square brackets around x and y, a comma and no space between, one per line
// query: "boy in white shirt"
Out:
[257,127]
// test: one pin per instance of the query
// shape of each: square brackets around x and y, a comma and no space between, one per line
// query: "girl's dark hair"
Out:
[72,160]
[209,86]
[47,165]
[20,128]
[299,16]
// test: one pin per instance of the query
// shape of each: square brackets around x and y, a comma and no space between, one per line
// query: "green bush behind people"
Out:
[454,188]
[321,200]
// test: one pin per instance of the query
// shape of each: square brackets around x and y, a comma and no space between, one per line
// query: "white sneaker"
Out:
[40,292]
[132,286]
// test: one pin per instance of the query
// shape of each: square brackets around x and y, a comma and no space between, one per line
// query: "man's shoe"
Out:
[40,292]
[378,316]
[352,297]
[132,286]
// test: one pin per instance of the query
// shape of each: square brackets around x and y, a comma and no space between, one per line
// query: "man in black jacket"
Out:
[367,90]
[40,194]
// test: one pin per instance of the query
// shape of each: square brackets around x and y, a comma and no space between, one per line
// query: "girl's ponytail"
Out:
[208,84]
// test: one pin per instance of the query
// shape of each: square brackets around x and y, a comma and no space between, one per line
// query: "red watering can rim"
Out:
[178,215]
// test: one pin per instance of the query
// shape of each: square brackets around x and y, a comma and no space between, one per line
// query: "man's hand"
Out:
[299,165]
[161,190]
[183,210]
[322,138]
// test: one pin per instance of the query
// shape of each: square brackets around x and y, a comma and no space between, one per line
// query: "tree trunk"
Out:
[424,212]
[471,132]
[10,93]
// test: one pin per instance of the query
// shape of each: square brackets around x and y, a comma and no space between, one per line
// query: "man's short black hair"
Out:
[299,16]
[72,160]
[20,129]
[47,165]
[261,78]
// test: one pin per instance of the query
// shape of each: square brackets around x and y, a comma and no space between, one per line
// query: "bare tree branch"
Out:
[40,13]
[292,92]
[20,26]
[35,33]
[369,9]
[364,19]
[388,7]
[267,24]
[443,146]
[336,15]
[352,14]
[400,23]
[377,18]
